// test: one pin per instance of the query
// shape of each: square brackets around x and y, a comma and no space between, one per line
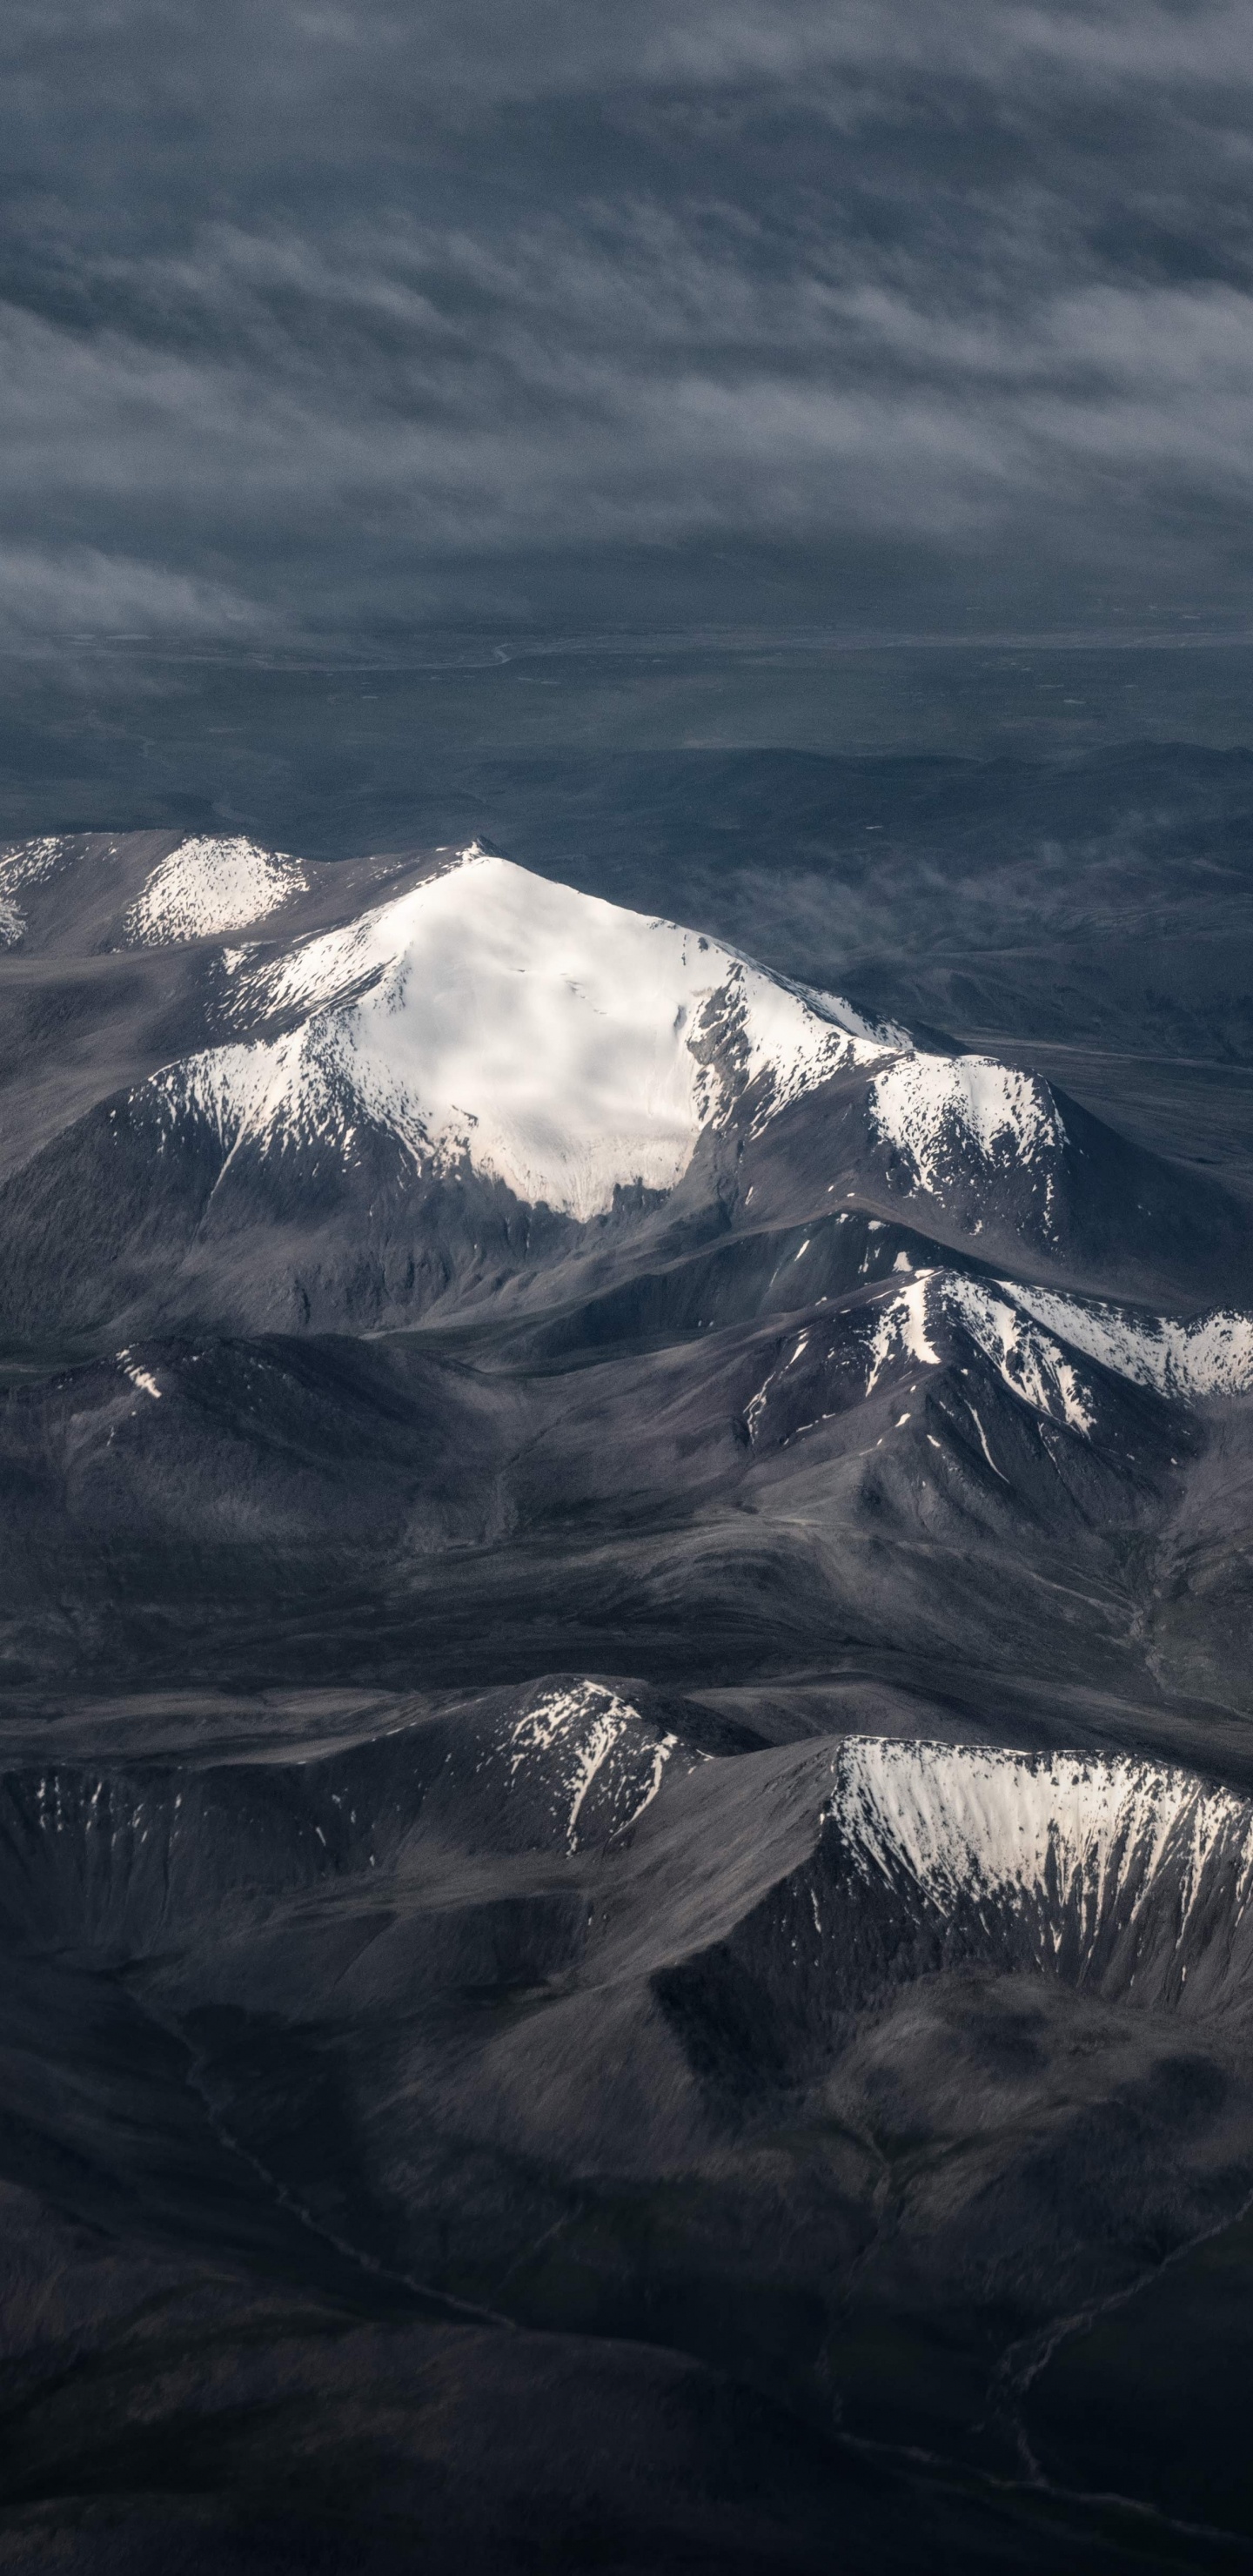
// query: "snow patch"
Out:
[1074,1833]
[28,865]
[1033,1366]
[905,1329]
[594,1752]
[1209,1355]
[886,1036]
[1031,1336]
[142,1378]
[942,1114]
[900,1331]
[207,886]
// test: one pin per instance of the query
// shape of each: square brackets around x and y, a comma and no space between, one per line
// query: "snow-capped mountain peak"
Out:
[551,1040]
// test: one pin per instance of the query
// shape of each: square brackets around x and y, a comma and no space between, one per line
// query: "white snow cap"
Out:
[554,1041]
[206,887]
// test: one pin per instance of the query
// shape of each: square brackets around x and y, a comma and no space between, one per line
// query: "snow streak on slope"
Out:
[1030,1362]
[600,1765]
[553,1041]
[900,1330]
[1209,1355]
[206,887]
[1087,1842]
[943,1113]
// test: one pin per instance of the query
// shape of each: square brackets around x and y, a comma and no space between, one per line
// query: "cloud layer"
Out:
[357,314]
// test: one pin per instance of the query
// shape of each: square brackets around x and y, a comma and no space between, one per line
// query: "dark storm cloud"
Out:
[327,313]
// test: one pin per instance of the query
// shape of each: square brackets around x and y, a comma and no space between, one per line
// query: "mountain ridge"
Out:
[623,1694]
[381,1114]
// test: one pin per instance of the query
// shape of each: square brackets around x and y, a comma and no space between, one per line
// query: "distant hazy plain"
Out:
[350,743]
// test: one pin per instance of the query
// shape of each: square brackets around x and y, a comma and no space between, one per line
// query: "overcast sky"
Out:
[620,312]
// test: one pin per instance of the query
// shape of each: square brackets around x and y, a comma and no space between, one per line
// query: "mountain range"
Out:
[626,1780]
